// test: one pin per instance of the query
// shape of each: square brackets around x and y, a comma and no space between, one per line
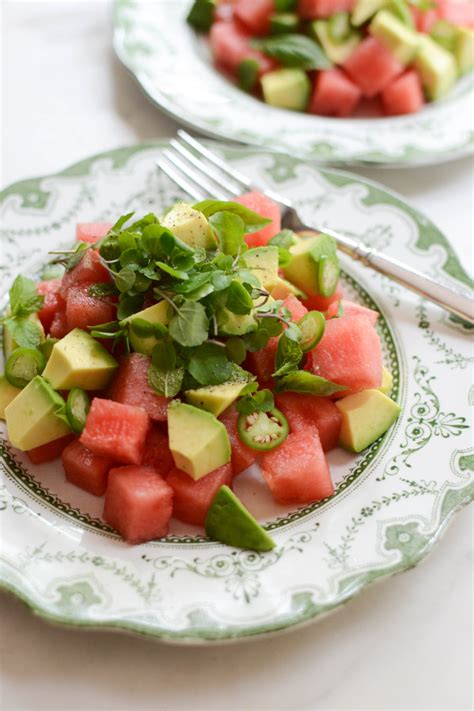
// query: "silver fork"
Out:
[202,174]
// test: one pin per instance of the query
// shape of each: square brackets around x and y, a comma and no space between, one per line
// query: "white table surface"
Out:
[403,644]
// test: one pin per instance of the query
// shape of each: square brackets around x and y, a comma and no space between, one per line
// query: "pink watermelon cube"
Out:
[116,431]
[372,66]
[262,363]
[302,410]
[425,19]
[91,232]
[131,387]
[404,95]
[50,451]
[157,452]
[230,45]
[254,15]
[315,9]
[52,301]
[297,471]
[192,499]
[295,307]
[459,12]
[349,354]
[334,94]
[85,469]
[84,310]
[242,456]
[138,504]
[316,302]
[352,309]
[89,270]
[266,208]
[59,327]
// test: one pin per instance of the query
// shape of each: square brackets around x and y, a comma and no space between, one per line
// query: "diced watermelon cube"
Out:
[192,499]
[316,302]
[85,469]
[52,301]
[334,94]
[89,270]
[459,12]
[404,95]
[59,327]
[302,410]
[315,9]
[157,452]
[295,307]
[297,471]
[230,45]
[349,354]
[372,66]
[262,363]
[266,208]
[255,14]
[138,504]
[242,456]
[131,387]
[116,431]
[351,309]
[91,232]
[50,451]
[425,19]
[83,310]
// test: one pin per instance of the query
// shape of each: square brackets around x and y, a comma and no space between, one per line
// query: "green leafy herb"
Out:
[24,299]
[288,356]
[26,333]
[76,256]
[209,365]
[252,221]
[236,350]
[163,356]
[165,382]
[239,300]
[175,273]
[294,50]
[129,305]
[303,382]
[190,325]
[247,74]
[102,289]
[201,15]
[125,279]
[52,271]
[260,401]
[230,230]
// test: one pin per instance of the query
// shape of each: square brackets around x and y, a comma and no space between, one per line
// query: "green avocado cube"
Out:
[303,269]
[230,324]
[337,52]
[263,262]
[365,417]
[286,89]
[437,68]
[402,41]
[215,398]
[387,382]
[8,392]
[79,361]
[365,9]
[158,313]
[464,49]
[198,441]
[190,226]
[229,522]
[32,417]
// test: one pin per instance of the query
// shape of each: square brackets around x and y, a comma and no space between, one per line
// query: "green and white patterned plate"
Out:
[174,68]
[391,504]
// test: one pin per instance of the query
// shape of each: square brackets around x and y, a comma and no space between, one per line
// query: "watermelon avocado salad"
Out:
[340,57]
[160,358]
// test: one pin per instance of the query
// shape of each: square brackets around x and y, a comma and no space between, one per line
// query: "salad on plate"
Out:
[341,58]
[160,357]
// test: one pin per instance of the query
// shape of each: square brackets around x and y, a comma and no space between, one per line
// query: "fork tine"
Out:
[210,156]
[182,182]
[210,186]
[218,176]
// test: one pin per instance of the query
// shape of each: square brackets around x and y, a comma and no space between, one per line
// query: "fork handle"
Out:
[459,303]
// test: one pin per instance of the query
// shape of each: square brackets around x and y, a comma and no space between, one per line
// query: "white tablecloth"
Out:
[403,644]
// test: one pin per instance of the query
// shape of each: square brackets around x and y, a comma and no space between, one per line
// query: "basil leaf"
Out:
[163,356]
[294,50]
[165,382]
[303,382]
[252,221]
[121,222]
[26,333]
[209,365]
[125,279]
[24,299]
[230,230]
[288,356]
[261,401]
[293,332]
[239,300]
[190,326]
